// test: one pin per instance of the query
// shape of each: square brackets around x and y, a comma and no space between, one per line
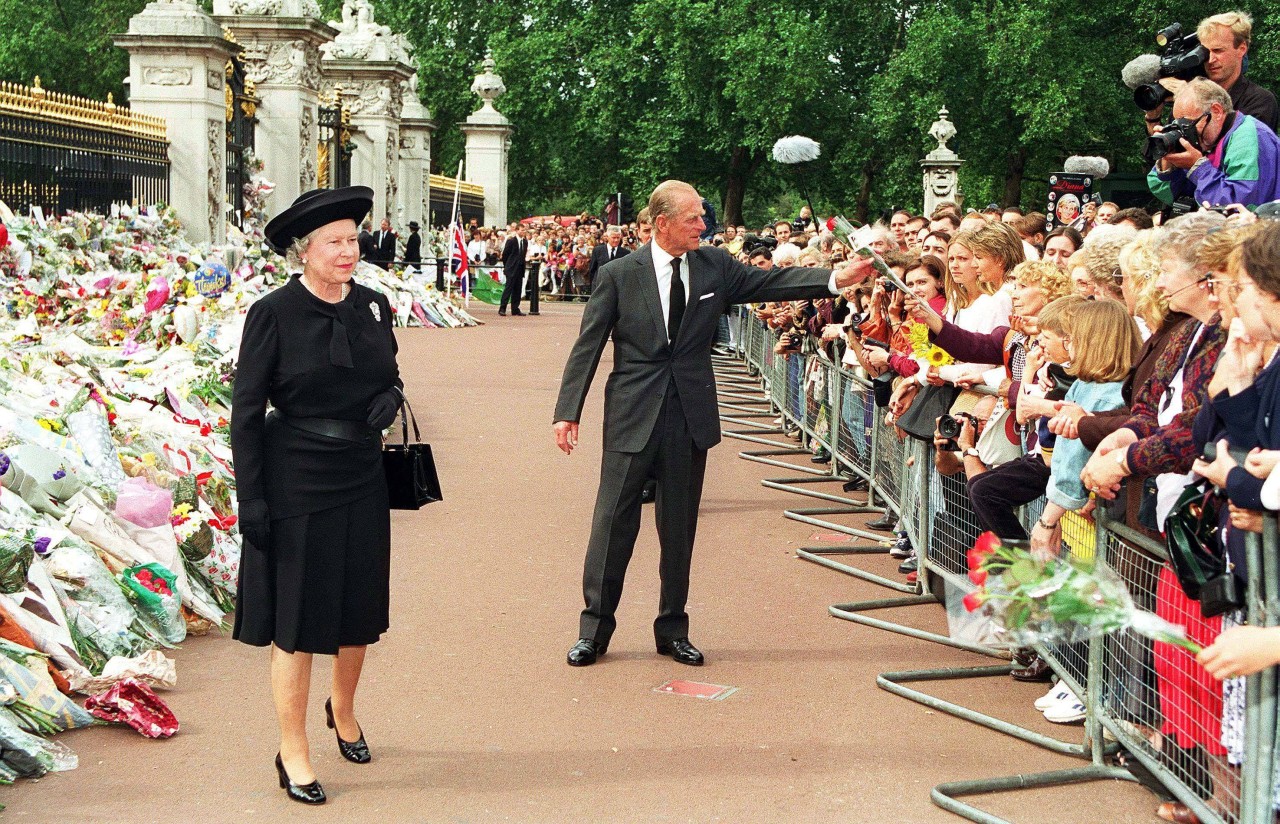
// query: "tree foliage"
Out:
[609,95]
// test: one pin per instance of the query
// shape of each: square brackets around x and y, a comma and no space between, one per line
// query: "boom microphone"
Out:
[1098,167]
[1141,70]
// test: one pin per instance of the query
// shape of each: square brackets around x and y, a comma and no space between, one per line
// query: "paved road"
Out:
[472,714]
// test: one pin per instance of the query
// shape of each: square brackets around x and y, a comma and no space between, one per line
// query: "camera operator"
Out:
[1213,153]
[1227,37]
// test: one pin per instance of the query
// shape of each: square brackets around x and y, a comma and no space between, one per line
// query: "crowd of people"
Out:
[1089,368]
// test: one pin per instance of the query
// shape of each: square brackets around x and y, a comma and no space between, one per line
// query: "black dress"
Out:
[324,580]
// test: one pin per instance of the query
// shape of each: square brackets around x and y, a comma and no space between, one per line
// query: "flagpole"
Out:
[454,215]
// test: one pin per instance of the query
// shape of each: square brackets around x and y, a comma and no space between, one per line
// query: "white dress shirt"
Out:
[662,266]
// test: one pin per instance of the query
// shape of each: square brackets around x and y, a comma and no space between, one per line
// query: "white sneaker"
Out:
[1056,695]
[1068,712]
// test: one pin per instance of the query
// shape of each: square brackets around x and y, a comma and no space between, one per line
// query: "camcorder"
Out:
[752,242]
[1181,56]
[949,427]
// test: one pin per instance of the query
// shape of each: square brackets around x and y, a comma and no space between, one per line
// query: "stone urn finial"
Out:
[488,84]
[942,130]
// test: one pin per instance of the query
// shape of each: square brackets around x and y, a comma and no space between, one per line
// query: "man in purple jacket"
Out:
[1237,159]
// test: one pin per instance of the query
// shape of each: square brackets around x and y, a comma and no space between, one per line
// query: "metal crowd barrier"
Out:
[1150,701]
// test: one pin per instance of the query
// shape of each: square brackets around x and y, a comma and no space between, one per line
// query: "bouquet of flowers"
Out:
[1055,600]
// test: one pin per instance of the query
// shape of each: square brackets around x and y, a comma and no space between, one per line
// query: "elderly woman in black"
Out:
[314,576]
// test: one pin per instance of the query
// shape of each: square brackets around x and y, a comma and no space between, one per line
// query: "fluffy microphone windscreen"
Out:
[796,149]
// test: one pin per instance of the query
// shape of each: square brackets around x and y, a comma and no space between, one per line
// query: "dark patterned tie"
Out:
[676,304]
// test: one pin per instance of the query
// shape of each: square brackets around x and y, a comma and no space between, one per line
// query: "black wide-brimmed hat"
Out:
[316,208]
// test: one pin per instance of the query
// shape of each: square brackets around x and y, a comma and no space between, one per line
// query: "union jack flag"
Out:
[458,260]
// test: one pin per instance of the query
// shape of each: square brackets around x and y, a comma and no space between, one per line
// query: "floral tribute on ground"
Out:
[118,530]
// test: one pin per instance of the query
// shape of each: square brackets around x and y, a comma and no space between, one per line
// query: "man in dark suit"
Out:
[386,242]
[602,253]
[514,252]
[368,246]
[661,306]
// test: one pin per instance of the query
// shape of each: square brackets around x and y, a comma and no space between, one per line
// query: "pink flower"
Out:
[157,294]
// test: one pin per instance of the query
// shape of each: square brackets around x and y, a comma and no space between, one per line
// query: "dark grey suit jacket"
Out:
[624,302]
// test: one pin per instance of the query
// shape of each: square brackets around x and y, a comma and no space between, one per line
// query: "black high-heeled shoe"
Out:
[311,793]
[356,751]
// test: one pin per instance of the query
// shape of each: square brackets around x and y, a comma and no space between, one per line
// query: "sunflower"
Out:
[937,357]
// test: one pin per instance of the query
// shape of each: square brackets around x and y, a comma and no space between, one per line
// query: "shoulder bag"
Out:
[410,467]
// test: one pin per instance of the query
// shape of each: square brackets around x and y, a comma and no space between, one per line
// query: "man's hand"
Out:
[1184,159]
[877,357]
[922,313]
[566,435]
[854,272]
[832,331]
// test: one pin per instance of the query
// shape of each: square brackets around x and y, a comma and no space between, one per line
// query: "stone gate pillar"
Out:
[177,58]
[416,128]
[941,166]
[372,66]
[488,134]
[282,40]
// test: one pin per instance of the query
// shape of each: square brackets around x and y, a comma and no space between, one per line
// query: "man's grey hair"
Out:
[665,198]
[1181,237]
[1205,93]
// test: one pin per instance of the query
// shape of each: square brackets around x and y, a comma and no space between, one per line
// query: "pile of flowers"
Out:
[118,533]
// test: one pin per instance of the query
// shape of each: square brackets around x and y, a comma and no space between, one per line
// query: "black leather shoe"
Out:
[357,752]
[517,313]
[502,313]
[858,484]
[885,523]
[821,456]
[1037,670]
[682,652]
[311,793]
[585,652]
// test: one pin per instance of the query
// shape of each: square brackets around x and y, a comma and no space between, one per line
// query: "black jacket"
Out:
[625,304]
[600,256]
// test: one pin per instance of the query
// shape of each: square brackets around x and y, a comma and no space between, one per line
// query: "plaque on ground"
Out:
[715,692]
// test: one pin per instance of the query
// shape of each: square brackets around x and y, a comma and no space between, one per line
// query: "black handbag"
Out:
[1191,534]
[410,467]
[931,402]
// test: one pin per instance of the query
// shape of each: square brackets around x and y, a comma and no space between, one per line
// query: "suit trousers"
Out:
[998,492]
[512,290]
[679,466]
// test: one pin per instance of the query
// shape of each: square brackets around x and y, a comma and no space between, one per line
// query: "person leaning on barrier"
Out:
[1156,440]
[1235,158]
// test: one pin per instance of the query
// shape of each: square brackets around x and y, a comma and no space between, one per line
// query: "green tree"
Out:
[67,43]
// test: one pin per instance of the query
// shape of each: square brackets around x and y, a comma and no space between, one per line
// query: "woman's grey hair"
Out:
[1181,237]
[293,255]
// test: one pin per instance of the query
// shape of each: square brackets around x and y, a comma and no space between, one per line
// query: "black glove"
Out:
[383,409]
[255,523]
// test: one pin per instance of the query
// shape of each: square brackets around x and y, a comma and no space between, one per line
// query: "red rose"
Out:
[975,599]
[986,544]
[978,576]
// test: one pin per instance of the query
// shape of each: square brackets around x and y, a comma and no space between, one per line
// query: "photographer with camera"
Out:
[1212,153]
[1218,50]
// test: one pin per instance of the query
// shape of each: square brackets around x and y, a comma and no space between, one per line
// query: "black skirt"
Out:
[324,582]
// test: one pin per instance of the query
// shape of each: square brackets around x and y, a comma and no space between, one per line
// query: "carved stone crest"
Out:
[166,75]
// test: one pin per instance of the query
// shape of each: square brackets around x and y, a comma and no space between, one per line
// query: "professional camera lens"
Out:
[948,427]
[1150,96]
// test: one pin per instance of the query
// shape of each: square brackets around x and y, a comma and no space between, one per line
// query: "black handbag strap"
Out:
[404,422]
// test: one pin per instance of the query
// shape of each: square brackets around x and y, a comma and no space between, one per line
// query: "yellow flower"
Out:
[149,458]
[181,510]
[45,424]
[937,357]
